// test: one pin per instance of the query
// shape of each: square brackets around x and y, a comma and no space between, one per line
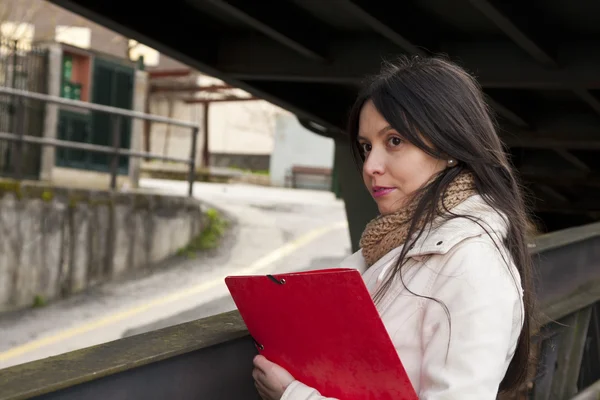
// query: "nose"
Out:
[374,164]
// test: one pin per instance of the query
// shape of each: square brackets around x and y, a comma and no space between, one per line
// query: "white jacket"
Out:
[460,265]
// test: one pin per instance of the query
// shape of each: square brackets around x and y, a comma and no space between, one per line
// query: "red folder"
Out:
[323,327]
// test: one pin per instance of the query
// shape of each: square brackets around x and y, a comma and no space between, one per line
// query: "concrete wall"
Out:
[58,241]
[295,145]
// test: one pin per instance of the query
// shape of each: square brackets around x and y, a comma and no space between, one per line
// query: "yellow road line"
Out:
[259,264]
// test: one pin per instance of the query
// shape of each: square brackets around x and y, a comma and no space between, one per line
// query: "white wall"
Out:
[245,127]
[174,141]
[242,127]
[234,127]
[295,145]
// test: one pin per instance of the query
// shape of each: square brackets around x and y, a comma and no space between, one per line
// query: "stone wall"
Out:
[58,241]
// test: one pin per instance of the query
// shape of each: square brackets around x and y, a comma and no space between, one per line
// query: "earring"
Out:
[451,162]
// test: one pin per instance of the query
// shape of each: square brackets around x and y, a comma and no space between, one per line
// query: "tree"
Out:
[16,17]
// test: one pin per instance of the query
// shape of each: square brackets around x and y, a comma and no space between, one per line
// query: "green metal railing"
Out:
[19,137]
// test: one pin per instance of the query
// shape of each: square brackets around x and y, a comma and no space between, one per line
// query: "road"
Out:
[275,230]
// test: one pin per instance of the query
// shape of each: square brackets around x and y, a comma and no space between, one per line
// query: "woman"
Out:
[446,261]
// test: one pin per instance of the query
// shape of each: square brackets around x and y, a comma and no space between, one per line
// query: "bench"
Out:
[323,175]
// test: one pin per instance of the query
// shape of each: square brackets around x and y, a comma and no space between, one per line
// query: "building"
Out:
[301,158]
[92,63]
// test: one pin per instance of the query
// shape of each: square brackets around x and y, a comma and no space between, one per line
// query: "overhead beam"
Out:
[551,192]
[249,58]
[532,141]
[259,56]
[560,179]
[585,207]
[544,168]
[154,88]
[507,113]
[332,104]
[279,20]
[568,156]
[381,21]
[518,32]
[201,52]
[522,34]
[588,98]
[519,122]
[531,42]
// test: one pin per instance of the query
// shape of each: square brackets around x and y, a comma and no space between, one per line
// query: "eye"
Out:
[395,141]
[366,147]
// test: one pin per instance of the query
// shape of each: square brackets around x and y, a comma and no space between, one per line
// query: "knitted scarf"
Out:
[389,231]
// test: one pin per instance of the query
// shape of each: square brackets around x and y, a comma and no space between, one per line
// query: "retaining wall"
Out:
[59,241]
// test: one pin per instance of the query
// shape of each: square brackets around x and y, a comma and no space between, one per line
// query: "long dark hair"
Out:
[432,98]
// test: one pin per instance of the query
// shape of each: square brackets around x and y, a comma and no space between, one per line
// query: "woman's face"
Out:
[393,168]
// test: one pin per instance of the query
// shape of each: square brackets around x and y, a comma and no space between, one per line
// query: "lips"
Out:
[379,191]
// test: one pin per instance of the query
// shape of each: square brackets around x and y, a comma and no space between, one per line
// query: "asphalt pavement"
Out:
[274,230]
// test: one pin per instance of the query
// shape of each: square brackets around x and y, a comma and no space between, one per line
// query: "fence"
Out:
[24,67]
[20,138]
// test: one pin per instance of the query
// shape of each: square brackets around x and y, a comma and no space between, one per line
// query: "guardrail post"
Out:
[116,143]
[20,131]
[192,172]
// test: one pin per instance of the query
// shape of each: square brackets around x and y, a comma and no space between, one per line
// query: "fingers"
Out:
[260,386]
[262,391]
[259,378]
[261,362]
[258,374]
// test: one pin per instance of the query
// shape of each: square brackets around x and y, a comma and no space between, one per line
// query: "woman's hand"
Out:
[270,379]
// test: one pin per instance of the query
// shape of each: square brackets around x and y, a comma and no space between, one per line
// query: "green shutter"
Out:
[112,85]
[75,127]
[67,74]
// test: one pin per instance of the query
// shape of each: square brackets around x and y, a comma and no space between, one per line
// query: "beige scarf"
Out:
[389,231]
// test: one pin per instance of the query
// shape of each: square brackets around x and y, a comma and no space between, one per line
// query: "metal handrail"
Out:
[88,147]
[94,107]
[114,150]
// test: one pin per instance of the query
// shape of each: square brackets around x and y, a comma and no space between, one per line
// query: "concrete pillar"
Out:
[48,153]
[360,206]
[140,92]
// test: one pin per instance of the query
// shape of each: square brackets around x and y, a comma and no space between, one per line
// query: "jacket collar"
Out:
[448,234]
[444,235]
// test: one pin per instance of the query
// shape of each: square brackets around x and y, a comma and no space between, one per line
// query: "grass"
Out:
[209,238]
[250,171]
[39,301]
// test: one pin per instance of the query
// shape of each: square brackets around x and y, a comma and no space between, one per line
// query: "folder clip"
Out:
[258,345]
[279,282]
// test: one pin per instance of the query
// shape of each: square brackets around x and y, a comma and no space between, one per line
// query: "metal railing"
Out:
[115,150]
